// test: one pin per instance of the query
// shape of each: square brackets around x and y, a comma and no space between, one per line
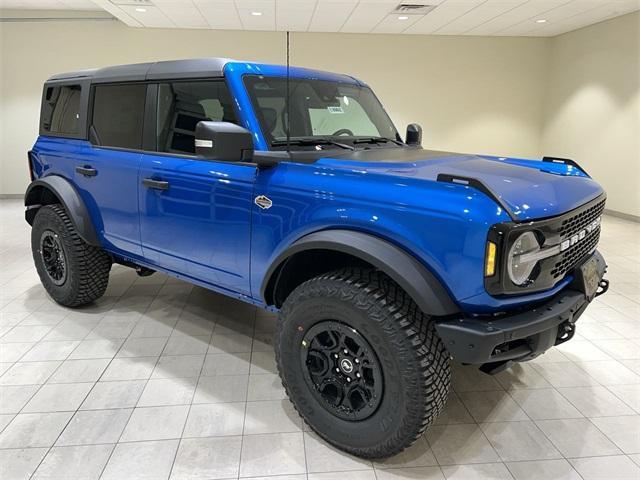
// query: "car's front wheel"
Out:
[73,272]
[360,362]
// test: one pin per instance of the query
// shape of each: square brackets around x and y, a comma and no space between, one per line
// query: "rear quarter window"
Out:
[61,110]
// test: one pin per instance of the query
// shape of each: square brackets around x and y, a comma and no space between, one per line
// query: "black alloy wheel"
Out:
[342,370]
[53,257]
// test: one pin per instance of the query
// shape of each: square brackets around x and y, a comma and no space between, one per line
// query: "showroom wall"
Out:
[575,95]
[469,94]
[593,106]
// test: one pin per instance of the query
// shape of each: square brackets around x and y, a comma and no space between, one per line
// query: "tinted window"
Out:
[61,110]
[181,105]
[118,113]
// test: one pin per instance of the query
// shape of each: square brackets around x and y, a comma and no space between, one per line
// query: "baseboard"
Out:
[11,196]
[626,216]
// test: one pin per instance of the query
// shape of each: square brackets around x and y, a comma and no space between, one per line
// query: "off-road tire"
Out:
[87,267]
[415,363]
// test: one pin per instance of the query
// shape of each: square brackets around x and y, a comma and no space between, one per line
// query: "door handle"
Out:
[155,184]
[87,171]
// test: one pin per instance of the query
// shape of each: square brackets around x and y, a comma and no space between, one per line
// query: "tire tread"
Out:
[386,302]
[91,264]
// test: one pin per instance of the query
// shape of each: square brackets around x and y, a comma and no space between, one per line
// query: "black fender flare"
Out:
[419,283]
[68,196]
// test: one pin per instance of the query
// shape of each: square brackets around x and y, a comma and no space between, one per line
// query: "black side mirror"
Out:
[414,135]
[223,141]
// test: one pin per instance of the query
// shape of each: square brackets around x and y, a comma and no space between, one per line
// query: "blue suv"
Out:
[292,190]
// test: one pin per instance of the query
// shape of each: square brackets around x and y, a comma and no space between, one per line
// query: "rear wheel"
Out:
[360,362]
[73,272]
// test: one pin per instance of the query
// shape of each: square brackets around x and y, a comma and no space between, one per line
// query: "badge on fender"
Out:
[263,202]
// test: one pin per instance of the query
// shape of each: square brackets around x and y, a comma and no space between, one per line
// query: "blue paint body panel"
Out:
[207,229]
[201,226]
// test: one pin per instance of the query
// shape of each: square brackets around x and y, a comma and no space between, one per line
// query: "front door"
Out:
[195,215]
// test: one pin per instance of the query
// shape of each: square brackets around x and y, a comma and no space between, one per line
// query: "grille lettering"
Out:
[581,235]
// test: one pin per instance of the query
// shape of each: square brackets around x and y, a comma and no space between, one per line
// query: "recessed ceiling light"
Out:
[542,20]
[141,10]
[403,17]
[256,14]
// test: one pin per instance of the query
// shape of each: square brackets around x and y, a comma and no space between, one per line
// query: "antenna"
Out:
[287,101]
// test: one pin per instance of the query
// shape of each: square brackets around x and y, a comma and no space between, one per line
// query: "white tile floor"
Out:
[161,380]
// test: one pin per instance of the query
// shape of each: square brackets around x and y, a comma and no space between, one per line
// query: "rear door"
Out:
[195,214]
[106,170]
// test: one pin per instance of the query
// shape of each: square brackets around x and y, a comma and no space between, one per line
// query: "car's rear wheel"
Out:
[73,272]
[360,362]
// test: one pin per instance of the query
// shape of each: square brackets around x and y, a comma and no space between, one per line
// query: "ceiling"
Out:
[445,17]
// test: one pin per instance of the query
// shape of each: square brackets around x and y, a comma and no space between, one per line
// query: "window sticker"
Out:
[335,109]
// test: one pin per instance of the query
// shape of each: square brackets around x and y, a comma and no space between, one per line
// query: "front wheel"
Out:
[360,362]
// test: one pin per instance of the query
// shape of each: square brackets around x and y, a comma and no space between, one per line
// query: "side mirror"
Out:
[223,141]
[414,135]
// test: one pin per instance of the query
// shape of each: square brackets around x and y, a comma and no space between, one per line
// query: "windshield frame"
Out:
[325,142]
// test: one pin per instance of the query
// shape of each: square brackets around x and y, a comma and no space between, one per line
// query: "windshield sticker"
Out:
[335,109]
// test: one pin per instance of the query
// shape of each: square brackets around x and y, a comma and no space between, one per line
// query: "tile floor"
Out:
[160,379]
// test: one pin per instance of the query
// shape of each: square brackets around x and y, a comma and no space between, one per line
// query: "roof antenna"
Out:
[287,101]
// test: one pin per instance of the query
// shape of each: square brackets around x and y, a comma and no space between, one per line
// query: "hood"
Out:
[530,189]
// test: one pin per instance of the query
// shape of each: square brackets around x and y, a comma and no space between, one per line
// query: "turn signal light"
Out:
[490,260]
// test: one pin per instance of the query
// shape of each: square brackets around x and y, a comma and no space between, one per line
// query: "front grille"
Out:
[570,258]
[574,224]
[566,261]
[555,230]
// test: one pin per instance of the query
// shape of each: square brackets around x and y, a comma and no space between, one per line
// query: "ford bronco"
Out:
[291,189]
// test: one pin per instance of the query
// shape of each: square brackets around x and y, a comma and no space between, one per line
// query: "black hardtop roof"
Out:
[171,69]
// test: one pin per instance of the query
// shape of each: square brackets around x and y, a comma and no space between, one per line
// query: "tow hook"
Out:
[566,331]
[603,286]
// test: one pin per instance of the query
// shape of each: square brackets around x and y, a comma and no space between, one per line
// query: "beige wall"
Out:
[576,95]
[592,109]
[30,52]
[469,94]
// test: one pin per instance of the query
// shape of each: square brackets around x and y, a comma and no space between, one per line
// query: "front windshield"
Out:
[324,114]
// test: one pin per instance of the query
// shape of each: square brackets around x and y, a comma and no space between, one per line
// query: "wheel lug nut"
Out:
[338,370]
[345,351]
[335,355]
[348,379]
[357,361]
[358,375]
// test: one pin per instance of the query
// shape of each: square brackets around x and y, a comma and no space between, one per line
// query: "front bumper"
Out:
[521,336]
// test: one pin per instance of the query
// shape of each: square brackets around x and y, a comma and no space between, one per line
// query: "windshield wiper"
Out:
[377,140]
[310,141]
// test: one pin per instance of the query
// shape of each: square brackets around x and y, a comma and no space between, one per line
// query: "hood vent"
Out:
[413,9]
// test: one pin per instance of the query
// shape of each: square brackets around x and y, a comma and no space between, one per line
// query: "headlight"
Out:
[523,258]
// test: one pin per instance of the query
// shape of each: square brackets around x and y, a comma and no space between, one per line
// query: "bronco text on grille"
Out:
[580,235]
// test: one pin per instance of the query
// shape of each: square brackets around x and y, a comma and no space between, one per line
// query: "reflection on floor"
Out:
[161,379]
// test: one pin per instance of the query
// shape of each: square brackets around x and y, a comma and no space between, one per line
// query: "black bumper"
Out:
[521,336]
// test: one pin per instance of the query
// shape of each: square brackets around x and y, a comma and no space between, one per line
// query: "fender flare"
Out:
[419,283]
[70,199]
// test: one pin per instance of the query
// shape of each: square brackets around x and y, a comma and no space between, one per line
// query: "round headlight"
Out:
[520,262]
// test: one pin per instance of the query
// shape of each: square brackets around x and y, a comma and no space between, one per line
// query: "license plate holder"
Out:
[590,274]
